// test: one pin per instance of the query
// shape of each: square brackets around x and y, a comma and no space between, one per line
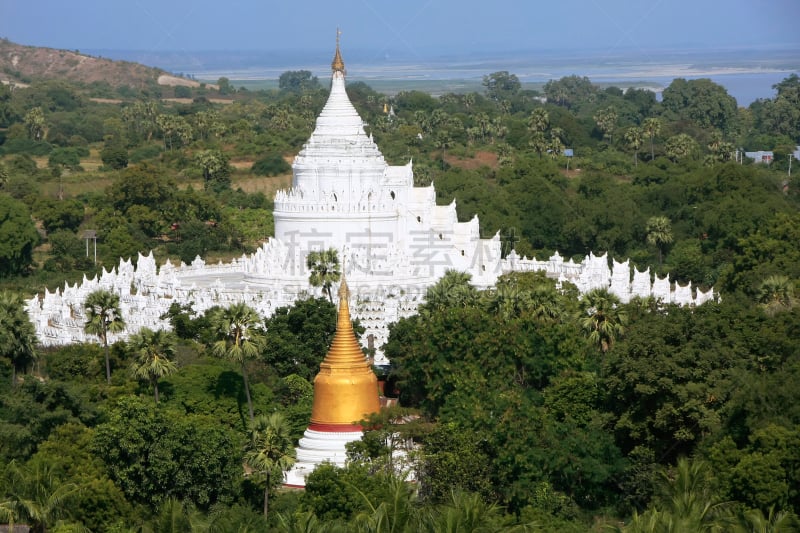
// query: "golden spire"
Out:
[346,388]
[345,347]
[338,64]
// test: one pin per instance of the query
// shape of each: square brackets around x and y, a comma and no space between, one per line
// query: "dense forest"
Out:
[526,407]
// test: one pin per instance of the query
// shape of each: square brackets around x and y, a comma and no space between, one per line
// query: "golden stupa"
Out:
[338,64]
[346,388]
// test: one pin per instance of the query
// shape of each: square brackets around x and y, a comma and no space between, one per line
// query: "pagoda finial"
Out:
[338,64]
[344,290]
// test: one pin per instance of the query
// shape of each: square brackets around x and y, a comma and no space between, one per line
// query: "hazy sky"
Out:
[406,27]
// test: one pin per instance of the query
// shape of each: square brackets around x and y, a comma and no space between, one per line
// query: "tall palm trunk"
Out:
[155,390]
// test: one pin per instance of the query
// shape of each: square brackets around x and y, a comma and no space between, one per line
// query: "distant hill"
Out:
[22,64]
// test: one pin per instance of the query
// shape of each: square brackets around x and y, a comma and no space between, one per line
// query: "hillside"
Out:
[22,64]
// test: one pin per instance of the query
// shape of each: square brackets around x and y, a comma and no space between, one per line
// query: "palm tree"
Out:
[325,271]
[17,335]
[659,233]
[754,521]
[687,499]
[37,496]
[680,146]
[154,351]
[452,290]
[776,294]
[306,522]
[606,120]
[650,521]
[555,146]
[539,143]
[103,316]
[651,127]
[601,318]
[466,512]
[469,100]
[396,513]
[443,141]
[539,120]
[238,339]
[634,138]
[270,450]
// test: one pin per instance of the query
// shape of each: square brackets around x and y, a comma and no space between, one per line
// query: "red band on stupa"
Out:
[335,428]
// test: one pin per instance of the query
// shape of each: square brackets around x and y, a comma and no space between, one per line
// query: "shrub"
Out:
[271,165]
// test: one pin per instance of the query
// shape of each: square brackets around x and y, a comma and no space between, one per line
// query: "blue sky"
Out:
[406,27]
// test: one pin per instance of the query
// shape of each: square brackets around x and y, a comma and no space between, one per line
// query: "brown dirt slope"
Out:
[20,63]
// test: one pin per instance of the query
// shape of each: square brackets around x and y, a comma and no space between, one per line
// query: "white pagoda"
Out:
[394,242]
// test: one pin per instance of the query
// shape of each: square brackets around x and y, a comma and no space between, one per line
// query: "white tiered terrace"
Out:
[395,240]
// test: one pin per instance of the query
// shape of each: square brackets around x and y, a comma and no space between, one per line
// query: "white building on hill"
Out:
[394,239]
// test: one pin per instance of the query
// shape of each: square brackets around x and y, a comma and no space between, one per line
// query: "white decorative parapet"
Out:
[621,279]
[260,280]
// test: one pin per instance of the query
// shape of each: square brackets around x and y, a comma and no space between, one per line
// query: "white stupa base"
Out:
[317,447]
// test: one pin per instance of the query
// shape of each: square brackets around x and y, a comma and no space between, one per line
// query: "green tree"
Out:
[442,468]
[668,378]
[18,236]
[153,351]
[17,336]
[299,337]
[298,81]
[239,339]
[103,316]
[501,85]
[156,454]
[270,450]
[63,214]
[271,165]
[780,115]
[659,233]
[602,318]
[63,158]
[98,503]
[114,154]
[324,270]
[225,87]
[702,101]
[570,91]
